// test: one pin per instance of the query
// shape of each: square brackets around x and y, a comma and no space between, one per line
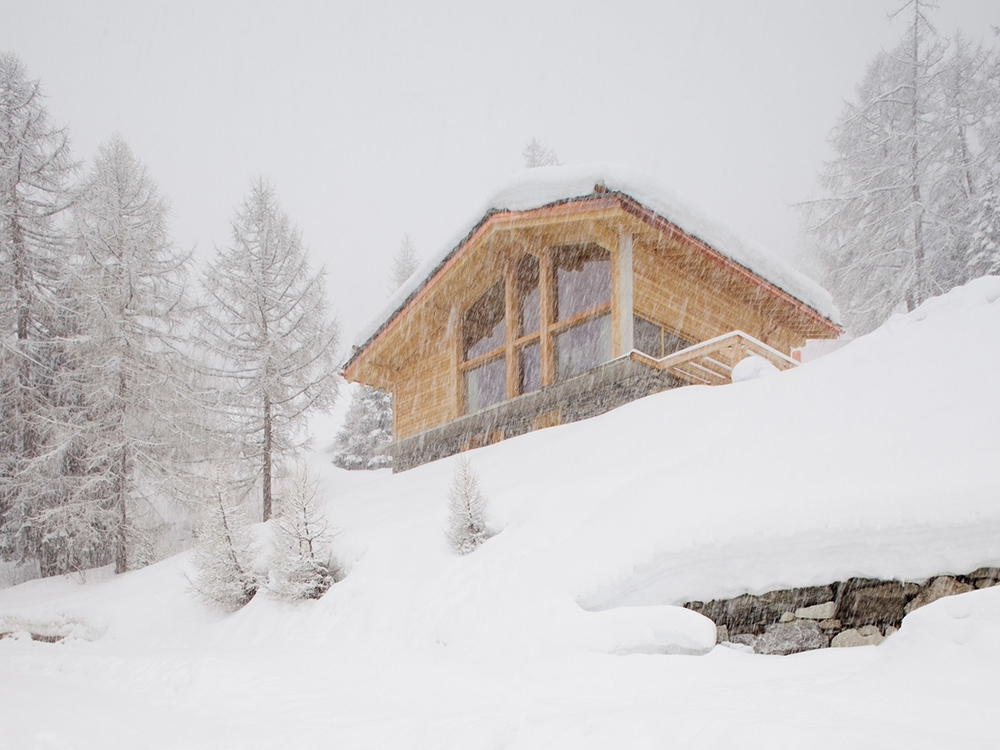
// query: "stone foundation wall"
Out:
[594,392]
[856,612]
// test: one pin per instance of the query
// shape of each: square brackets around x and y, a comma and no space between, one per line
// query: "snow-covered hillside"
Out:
[877,460]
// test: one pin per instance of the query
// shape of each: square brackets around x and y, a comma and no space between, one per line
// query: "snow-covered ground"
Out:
[562,631]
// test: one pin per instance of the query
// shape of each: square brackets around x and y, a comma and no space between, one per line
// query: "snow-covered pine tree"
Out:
[537,155]
[127,372]
[367,426]
[266,322]
[467,510]
[302,566]
[224,549]
[984,253]
[404,264]
[35,169]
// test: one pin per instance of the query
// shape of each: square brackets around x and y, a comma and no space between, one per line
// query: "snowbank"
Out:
[877,460]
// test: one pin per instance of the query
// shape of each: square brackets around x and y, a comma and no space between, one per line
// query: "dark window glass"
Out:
[531,368]
[673,343]
[583,279]
[528,309]
[483,324]
[582,347]
[647,337]
[485,385]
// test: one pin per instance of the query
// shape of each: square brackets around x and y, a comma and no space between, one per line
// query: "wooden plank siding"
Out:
[697,301]
[423,395]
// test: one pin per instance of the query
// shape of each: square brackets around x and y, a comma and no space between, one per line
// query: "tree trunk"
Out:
[267,457]
[918,292]
[121,488]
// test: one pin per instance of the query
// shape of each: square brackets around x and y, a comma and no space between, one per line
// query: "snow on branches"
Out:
[367,426]
[224,552]
[302,566]
[467,510]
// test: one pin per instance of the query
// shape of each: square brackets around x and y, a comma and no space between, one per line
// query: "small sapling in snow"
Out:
[467,510]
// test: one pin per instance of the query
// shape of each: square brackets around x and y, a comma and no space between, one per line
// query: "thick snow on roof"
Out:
[534,188]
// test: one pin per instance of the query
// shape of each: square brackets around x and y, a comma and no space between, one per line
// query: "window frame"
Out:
[549,328]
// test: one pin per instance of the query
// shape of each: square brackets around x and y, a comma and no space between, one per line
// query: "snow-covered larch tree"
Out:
[467,510]
[912,155]
[267,322]
[537,155]
[126,368]
[301,563]
[367,426]
[35,169]
[224,549]
[404,263]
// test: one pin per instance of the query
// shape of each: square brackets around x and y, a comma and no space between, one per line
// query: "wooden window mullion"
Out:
[545,317]
[511,320]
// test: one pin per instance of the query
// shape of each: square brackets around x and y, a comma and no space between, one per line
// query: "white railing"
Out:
[711,362]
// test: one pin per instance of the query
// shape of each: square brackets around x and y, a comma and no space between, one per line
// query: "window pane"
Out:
[527,295]
[485,385]
[647,337]
[531,368]
[483,324]
[582,347]
[583,278]
[673,343]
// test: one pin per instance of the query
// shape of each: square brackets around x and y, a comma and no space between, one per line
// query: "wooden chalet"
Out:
[579,289]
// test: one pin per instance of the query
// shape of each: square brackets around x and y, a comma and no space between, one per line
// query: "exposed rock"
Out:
[850,638]
[831,624]
[744,639]
[866,602]
[743,614]
[889,630]
[938,588]
[786,617]
[983,578]
[980,574]
[721,634]
[789,600]
[867,630]
[823,611]
[791,638]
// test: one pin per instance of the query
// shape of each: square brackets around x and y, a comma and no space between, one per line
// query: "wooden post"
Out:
[510,313]
[622,303]
[545,282]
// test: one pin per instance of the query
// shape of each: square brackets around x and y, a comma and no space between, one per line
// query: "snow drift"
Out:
[877,460]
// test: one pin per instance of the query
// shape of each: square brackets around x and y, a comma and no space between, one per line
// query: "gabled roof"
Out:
[546,186]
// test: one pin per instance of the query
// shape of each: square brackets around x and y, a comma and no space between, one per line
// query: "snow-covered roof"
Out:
[542,186]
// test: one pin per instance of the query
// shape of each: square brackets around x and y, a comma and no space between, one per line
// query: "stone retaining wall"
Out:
[594,392]
[856,612]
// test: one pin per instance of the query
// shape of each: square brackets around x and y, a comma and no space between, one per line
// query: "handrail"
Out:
[736,345]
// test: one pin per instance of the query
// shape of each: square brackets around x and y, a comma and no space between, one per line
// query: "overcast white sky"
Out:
[374,119]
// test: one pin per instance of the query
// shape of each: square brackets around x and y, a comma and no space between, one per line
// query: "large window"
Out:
[572,330]
[485,385]
[483,324]
[529,324]
[583,279]
[582,307]
[483,339]
[582,347]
